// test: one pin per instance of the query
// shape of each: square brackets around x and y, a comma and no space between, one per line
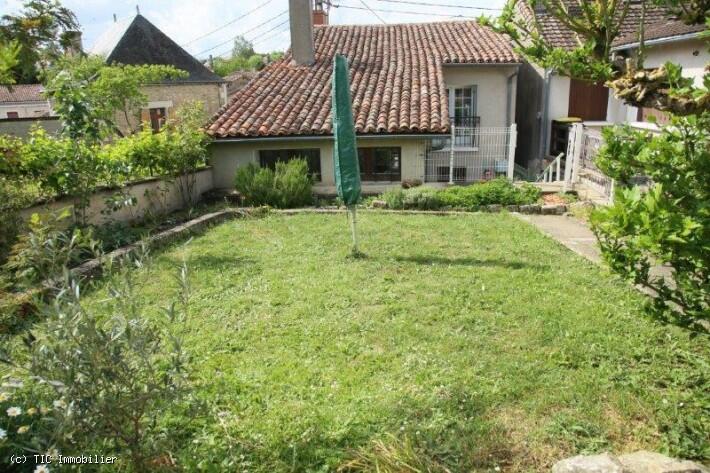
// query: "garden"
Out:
[456,344]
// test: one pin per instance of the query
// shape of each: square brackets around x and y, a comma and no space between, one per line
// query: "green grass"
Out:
[472,340]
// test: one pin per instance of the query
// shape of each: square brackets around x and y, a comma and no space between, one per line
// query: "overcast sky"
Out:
[186,20]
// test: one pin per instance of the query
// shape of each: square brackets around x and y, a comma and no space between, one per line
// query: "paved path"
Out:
[569,231]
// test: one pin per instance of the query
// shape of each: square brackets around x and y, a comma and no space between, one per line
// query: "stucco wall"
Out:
[26,109]
[226,157]
[153,195]
[492,90]
[171,96]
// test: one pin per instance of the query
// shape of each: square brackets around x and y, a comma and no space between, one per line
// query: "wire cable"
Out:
[427,4]
[403,12]
[373,12]
[245,32]
[229,23]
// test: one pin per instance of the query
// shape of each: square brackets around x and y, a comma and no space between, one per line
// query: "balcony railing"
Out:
[466,135]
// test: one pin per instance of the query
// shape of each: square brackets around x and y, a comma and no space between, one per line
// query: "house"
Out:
[412,85]
[546,99]
[23,106]
[669,40]
[137,41]
[23,101]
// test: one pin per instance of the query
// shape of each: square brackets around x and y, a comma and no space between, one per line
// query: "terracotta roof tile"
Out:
[558,35]
[396,80]
[21,93]
[664,29]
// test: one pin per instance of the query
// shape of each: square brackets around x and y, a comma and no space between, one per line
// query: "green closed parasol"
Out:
[347,168]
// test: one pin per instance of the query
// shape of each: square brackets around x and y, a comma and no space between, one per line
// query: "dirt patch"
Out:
[553,199]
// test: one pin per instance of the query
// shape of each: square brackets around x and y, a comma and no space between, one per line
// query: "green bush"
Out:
[498,191]
[288,186]
[667,224]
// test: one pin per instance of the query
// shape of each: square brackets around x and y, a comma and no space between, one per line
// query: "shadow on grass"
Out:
[217,262]
[473,262]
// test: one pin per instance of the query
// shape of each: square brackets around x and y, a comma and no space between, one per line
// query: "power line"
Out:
[403,12]
[260,37]
[245,32]
[229,23]
[373,12]
[426,4]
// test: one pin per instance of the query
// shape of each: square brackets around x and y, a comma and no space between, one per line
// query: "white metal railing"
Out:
[552,172]
[472,154]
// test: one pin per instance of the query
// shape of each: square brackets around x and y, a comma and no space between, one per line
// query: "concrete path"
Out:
[577,236]
[569,231]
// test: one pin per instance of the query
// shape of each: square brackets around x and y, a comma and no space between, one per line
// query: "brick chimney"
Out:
[320,14]
[301,32]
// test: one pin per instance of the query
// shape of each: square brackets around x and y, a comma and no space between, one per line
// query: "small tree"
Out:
[86,95]
[38,30]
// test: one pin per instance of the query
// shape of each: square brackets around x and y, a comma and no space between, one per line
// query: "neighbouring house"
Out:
[23,101]
[546,99]
[237,80]
[669,40]
[137,41]
[411,86]
[23,106]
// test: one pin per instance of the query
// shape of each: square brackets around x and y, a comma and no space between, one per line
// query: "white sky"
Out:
[185,20]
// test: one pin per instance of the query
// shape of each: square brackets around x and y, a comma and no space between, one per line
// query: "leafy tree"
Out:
[87,94]
[242,48]
[40,32]
[8,61]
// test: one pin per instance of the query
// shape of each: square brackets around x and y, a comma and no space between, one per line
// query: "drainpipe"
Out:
[545,115]
[509,98]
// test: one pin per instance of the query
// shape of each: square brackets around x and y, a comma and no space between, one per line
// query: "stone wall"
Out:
[172,96]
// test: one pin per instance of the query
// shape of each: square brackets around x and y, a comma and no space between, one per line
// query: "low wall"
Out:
[155,195]
[20,127]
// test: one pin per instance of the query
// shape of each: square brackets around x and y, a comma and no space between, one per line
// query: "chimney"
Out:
[320,14]
[301,32]
[73,46]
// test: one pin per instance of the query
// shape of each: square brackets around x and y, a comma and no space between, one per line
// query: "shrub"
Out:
[293,183]
[48,249]
[287,187]
[668,224]
[102,380]
[498,191]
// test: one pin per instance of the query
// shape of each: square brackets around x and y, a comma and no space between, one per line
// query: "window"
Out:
[380,164]
[462,105]
[13,115]
[157,118]
[462,114]
[269,157]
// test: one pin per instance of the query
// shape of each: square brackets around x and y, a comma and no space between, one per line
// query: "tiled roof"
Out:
[396,80]
[558,35]
[21,93]
[664,29]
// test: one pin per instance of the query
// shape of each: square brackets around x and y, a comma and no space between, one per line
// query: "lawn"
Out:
[473,339]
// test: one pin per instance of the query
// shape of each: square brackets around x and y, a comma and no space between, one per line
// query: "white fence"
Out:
[472,154]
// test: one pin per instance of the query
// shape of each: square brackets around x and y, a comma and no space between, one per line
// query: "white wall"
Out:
[227,157]
[25,109]
[492,90]
[692,55]
[559,98]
